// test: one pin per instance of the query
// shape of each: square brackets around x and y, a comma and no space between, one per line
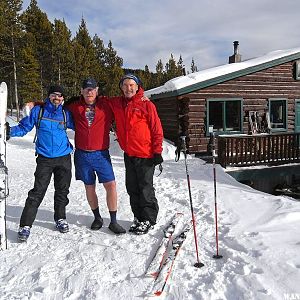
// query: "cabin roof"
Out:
[202,79]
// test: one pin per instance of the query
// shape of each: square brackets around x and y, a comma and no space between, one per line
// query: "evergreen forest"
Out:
[35,53]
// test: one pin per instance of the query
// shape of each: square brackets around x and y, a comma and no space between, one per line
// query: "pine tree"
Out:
[180,67]
[29,78]
[5,45]
[10,36]
[147,78]
[172,70]
[113,69]
[100,51]
[193,66]
[40,28]
[159,73]
[85,56]
[63,58]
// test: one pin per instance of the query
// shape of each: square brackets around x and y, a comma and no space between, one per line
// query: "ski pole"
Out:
[211,130]
[198,264]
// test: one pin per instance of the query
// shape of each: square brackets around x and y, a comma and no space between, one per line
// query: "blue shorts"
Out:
[88,164]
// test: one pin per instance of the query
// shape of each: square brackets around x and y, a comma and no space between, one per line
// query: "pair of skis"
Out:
[162,264]
[3,168]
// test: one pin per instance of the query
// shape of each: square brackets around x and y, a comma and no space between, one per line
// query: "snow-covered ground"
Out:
[259,239]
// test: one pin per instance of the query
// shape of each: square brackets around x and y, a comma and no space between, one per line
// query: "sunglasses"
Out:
[56,95]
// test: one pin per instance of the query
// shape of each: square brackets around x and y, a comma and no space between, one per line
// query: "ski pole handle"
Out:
[183,141]
[213,143]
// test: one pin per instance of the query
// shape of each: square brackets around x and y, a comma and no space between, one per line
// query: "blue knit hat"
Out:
[130,76]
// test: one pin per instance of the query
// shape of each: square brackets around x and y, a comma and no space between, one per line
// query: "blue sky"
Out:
[143,32]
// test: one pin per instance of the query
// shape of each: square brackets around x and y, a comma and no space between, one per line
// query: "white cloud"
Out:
[143,32]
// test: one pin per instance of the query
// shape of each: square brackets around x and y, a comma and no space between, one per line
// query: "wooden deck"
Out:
[260,149]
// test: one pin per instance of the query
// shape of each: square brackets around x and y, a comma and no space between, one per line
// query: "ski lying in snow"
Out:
[159,257]
[3,168]
[160,282]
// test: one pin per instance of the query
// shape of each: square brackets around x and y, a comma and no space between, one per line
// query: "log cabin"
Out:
[252,105]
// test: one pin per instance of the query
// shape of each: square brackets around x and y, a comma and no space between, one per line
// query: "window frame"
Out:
[224,100]
[285,128]
[297,70]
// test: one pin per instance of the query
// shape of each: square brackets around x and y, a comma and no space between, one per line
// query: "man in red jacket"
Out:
[140,136]
[93,118]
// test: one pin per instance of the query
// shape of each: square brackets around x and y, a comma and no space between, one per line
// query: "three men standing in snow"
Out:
[140,135]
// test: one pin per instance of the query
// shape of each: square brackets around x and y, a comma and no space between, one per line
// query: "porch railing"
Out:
[262,149]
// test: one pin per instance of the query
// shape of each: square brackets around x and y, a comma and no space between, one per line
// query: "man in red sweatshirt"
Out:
[140,136]
[93,118]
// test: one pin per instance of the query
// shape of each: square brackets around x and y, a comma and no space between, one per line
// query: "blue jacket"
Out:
[52,140]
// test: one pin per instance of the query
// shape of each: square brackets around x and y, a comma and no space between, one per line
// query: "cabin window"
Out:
[297,70]
[278,114]
[225,115]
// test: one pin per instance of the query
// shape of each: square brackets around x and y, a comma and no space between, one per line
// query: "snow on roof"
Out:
[182,82]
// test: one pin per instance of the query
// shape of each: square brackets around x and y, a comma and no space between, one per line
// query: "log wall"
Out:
[255,89]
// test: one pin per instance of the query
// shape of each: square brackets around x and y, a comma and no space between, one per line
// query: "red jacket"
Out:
[96,136]
[139,129]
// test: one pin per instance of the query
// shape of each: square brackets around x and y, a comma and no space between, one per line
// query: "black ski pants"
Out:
[61,168]
[139,185]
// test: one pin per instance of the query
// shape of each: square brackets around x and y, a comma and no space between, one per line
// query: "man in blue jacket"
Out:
[53,157]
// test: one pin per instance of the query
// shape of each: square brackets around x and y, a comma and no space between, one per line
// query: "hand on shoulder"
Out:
[145,98]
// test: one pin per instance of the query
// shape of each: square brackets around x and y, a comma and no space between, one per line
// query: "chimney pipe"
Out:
[236,57]
[236,47]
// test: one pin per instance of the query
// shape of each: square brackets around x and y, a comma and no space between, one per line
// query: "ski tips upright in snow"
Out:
[3,167]
[3,109]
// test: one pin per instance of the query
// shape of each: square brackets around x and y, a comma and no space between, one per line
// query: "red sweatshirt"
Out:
[96,136]
[139,129]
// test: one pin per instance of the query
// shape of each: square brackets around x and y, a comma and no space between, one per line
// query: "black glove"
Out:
[7,131]
[157,159]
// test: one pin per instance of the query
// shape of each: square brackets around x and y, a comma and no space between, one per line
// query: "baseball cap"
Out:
[89,83]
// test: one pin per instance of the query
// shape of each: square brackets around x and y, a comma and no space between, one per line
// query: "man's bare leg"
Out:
[91,195]
[92,198]
[111,195]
